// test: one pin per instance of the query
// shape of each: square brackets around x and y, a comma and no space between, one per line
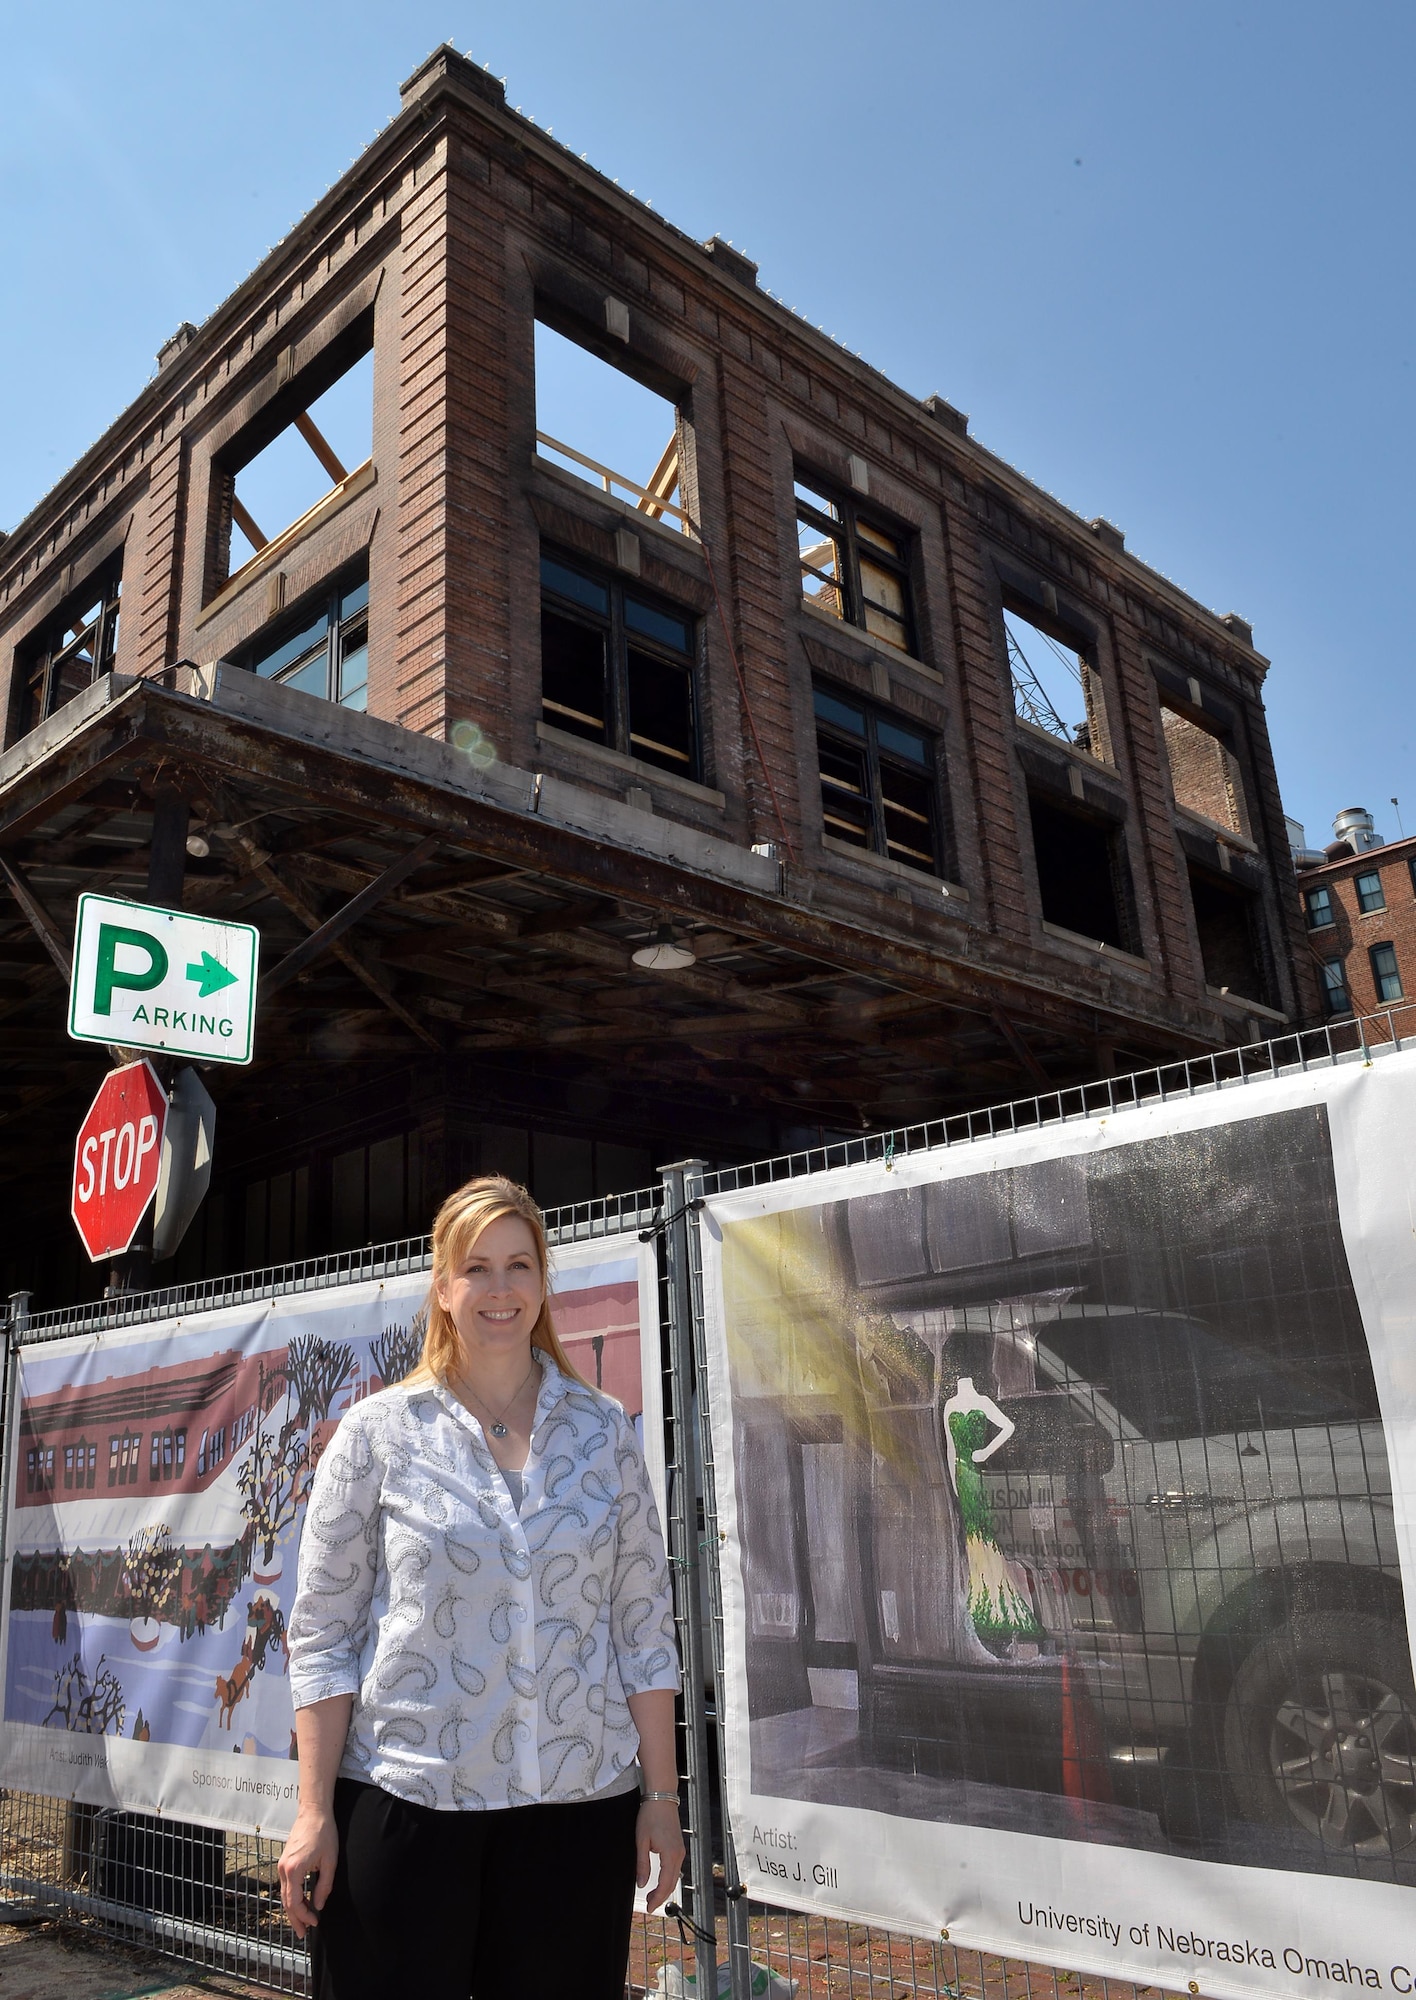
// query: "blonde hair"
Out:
[458,1225]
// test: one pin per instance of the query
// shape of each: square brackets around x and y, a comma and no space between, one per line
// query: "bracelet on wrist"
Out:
[645,1797]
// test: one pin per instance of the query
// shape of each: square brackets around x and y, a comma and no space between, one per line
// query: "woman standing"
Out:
[482,1657]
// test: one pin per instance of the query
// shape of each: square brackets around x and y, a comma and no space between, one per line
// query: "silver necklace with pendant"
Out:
[498,1428]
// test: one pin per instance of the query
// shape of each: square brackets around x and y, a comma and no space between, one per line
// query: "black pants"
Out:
[527,1903]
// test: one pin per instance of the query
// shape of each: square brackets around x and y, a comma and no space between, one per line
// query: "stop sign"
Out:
[116,1159]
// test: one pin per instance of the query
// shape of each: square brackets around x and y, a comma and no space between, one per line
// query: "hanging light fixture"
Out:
[665,954]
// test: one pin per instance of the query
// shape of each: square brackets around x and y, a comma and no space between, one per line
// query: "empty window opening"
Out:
[318,449]
[1227,920]
[1370,893]
[1055,686]
[878,785]
[853,566]
[1336,997]
[70,651]
[1317,904]
[603,425]
[1204,773]
[322,648]
[1386,974]
[1082,874]
[617,666]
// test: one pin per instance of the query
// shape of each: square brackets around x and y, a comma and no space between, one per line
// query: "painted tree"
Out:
[270,1481]
[152,1570]
[315,1372]
[397,1351]
[89,1707]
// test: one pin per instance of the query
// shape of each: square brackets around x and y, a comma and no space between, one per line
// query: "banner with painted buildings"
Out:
[157,1491]
[1067,1485]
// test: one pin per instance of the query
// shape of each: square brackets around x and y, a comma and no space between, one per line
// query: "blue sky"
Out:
[1161,254]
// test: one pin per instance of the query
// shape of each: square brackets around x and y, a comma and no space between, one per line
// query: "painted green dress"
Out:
[999,1610]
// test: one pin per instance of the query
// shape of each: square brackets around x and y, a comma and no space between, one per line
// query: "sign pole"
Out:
[166,878]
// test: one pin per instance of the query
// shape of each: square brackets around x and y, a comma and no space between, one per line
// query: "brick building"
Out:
[1358,900]
[817,772]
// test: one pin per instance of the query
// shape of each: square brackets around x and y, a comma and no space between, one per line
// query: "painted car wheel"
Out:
[1320,1732]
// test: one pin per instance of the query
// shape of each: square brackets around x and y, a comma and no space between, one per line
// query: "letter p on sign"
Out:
[150,970]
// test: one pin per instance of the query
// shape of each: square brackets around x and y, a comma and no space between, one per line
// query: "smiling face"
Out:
[494,1294]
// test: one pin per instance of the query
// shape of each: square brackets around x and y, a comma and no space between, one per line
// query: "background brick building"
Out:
[1358,901]
[916,790]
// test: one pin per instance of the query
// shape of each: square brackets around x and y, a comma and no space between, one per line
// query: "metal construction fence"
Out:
[211,1899]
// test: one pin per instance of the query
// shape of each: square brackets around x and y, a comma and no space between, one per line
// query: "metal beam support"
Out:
[1031,1066]
[313,921]
[334,927]
[43,925]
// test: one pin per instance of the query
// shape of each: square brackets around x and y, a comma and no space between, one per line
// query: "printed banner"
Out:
[1067,1504]
[157,1491]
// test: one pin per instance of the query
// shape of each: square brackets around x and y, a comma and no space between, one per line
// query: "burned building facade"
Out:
[813,772]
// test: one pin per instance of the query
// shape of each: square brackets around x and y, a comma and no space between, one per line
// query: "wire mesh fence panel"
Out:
[820,1958]
[211,1899]
[208,1898]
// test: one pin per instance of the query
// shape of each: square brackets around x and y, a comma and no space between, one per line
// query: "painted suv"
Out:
[1212,1534]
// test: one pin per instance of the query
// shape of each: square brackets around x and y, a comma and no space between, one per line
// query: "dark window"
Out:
[91,1464]
[69,1465]
[156,1466]
[1082,873]
[617,667]
[856,568]
[324,648]
[114,1464]
[1319,907]
[1386,975]
[1411,870]
[878,786]
[1336,997]
[181,1452]
[1227,920]
[49,1468]
[1370,893]
[1174,1378]
[31,1471]
[71,651]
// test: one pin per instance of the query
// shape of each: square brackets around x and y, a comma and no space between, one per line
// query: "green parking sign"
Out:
[147,978]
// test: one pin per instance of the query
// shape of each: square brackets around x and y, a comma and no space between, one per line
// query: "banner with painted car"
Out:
[1066,1484]
[157,1491]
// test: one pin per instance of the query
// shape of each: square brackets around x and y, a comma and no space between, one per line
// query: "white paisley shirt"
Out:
[489,1654]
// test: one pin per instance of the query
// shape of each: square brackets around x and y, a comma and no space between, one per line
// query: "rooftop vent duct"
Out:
[1356,827]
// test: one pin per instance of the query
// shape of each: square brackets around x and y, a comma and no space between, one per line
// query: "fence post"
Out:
[16,1320]
[739,1942]
[685,1552]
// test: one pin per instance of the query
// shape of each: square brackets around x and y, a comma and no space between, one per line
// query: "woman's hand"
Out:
[311,1851]
[658,1832]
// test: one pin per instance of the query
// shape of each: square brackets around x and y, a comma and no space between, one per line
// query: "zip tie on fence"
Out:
[668,1221]
[686,1924]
